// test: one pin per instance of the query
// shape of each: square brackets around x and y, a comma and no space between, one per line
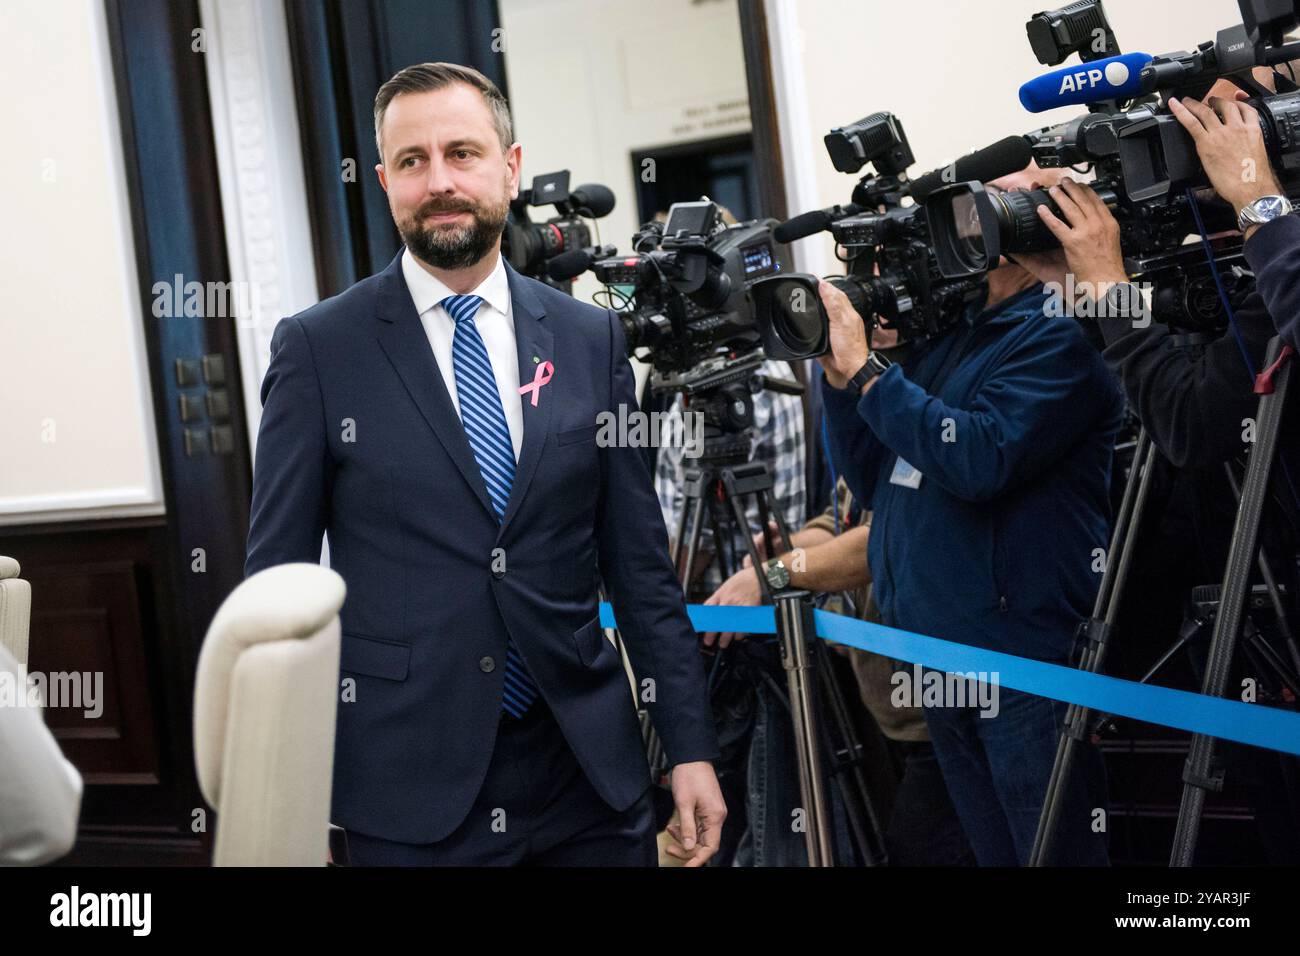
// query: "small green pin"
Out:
[536,360]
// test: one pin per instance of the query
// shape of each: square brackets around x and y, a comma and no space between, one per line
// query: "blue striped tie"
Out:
[489,436]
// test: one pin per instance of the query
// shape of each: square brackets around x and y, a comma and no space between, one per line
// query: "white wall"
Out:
[76,427]
[592,81]
[949,71]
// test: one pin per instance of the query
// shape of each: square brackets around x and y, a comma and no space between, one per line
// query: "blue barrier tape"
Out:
[1254,724]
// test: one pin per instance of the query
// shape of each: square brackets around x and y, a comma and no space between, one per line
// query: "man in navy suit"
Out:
[439,421]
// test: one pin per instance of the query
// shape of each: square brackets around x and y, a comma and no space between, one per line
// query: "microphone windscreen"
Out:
[1115,77]
[1008,155]
[594,198]
[569,265]
[801,226]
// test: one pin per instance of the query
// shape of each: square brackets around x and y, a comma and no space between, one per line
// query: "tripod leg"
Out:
[738,512]
[1270,584]
[764,518]
[848,774]
[794,624]
[675,546]
[693,543]
[1198,776]
[1098,630]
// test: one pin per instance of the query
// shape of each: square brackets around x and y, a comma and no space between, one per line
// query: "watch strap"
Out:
[1251,215]
[876,364]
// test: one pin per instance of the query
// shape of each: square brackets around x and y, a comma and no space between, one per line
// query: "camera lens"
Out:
[796,314]
[1018,222]
[967,235]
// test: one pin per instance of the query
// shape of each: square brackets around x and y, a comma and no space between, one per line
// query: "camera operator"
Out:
[1193,402]
[1196,402]
[1231,148]
[985,457]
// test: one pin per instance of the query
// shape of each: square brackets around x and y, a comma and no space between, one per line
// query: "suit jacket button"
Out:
[498,573]
[487,665]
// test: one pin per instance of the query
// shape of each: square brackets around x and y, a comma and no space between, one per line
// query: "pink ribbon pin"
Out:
[541,376]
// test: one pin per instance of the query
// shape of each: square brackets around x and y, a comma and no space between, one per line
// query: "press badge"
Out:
[905,475]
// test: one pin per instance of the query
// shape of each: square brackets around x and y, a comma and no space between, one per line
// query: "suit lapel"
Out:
[404,341]
[533,338]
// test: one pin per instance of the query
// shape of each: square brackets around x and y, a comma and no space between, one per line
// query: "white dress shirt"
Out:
[495,322]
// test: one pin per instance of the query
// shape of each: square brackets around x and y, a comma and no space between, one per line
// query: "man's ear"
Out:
[514,162]
[383,176]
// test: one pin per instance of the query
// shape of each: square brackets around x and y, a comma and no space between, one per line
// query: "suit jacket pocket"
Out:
[588,639]
[572,435]
[374,658]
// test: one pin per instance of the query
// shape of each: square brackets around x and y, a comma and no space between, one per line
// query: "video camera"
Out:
[685,283]
[529,246]
[893,271]
[681,295]
[1145,164]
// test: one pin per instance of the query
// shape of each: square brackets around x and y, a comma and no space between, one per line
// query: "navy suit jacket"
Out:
[359,439]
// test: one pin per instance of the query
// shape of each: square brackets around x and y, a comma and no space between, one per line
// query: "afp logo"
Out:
[1115,73]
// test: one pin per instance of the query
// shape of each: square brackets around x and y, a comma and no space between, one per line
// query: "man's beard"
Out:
[454,247]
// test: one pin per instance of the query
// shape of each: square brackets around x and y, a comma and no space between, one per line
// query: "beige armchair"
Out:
[265,701]
[15,610]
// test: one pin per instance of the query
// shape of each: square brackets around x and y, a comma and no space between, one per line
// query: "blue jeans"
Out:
[997,769]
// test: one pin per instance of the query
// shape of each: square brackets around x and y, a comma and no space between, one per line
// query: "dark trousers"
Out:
[536,808]
[997,771]
[924,829]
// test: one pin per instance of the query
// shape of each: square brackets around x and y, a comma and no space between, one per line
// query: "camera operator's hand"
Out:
[1089,237]
[1231,146]
[848,335]
[1046,266]
[740,590]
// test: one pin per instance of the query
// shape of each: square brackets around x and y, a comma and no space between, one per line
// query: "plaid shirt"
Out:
[778,443]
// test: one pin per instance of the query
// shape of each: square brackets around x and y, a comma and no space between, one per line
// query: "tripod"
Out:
[1095,634]
[720,485]
[1198,775]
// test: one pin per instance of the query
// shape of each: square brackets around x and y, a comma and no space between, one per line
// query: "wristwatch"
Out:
[875,365]
[1262,210]
[1123,300]
[778,576]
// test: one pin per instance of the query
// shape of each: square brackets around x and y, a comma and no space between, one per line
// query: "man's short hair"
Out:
[426,77]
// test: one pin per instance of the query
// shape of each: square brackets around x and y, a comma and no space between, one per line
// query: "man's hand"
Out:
[1231,146]
[741,589]
[1046,266]
[1089,236]
[848,335]
[700,812]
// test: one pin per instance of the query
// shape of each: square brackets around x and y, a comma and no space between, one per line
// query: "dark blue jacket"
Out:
[1273,251]
[997,545]
[359,439]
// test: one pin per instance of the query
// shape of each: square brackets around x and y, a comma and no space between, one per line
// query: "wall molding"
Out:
[798,141]
[260,171]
